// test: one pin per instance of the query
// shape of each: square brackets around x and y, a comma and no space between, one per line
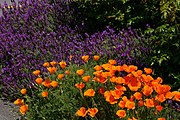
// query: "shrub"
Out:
[165,53]
[97,90]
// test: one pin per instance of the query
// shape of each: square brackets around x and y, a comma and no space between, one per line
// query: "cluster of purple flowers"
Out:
[28,39]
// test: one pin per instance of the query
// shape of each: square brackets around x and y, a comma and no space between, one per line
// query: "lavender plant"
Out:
[28,39]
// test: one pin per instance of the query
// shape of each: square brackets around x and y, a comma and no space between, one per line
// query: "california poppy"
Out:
[159,108]
[96,57]
[23,91]
[148,70]
[52,70]
[121,113]
[47,83]
[82,112]
[86,78]
[85,58]
[130,105]
[147,90]
[137,95]
[97,68]
[92,111]
[44,94]
[80,72]
[19,101]
[89,93]
[46,64]
[161,119]
[23,109]
[62,64]
[39,80]
[67,72]
[112,62]
[54,84]
[53,63]
[149,103]
[80,85]
[60,76]
[36,72]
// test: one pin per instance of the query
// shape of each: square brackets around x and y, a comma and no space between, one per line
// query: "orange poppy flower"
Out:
[120,80]
[39,80]
[122,104]
[51,70]
[112,62]
[113,79]
[97,68]
[161,98]
[105,74]
[44,94]
[137,95]
[101,90]
[148,70]
[106,66]
[140,103]
[176,95]
[36,72]
[166,88]
[47,83]
[92,111]
[23,91]
[168,95]
[134,84]
[46,64]
[60,76]
[82,112]
[156,81]
[96,57]
[130,105]
[19,101]
[159,108]
[116,93]
[97,73]
[149,103]
[54,84]
[53,63]
[85,58]
[161,119]
[100,79]
[109,97]
[86,78]
[62,64]
[67,72]
[137,73]
[132,68]
[120,87]
[147,90]
[80,72]
[23,109]
[121,113]
[89,93]
[158,88]
[146,78]
[80,85]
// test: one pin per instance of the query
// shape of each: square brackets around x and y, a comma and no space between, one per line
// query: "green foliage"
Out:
[166,53]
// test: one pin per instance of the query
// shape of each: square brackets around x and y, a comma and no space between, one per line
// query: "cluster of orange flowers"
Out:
[47,83]
[130,87]
[23,107]
[145,90]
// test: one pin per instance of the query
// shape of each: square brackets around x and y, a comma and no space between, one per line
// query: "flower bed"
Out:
[97,90]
